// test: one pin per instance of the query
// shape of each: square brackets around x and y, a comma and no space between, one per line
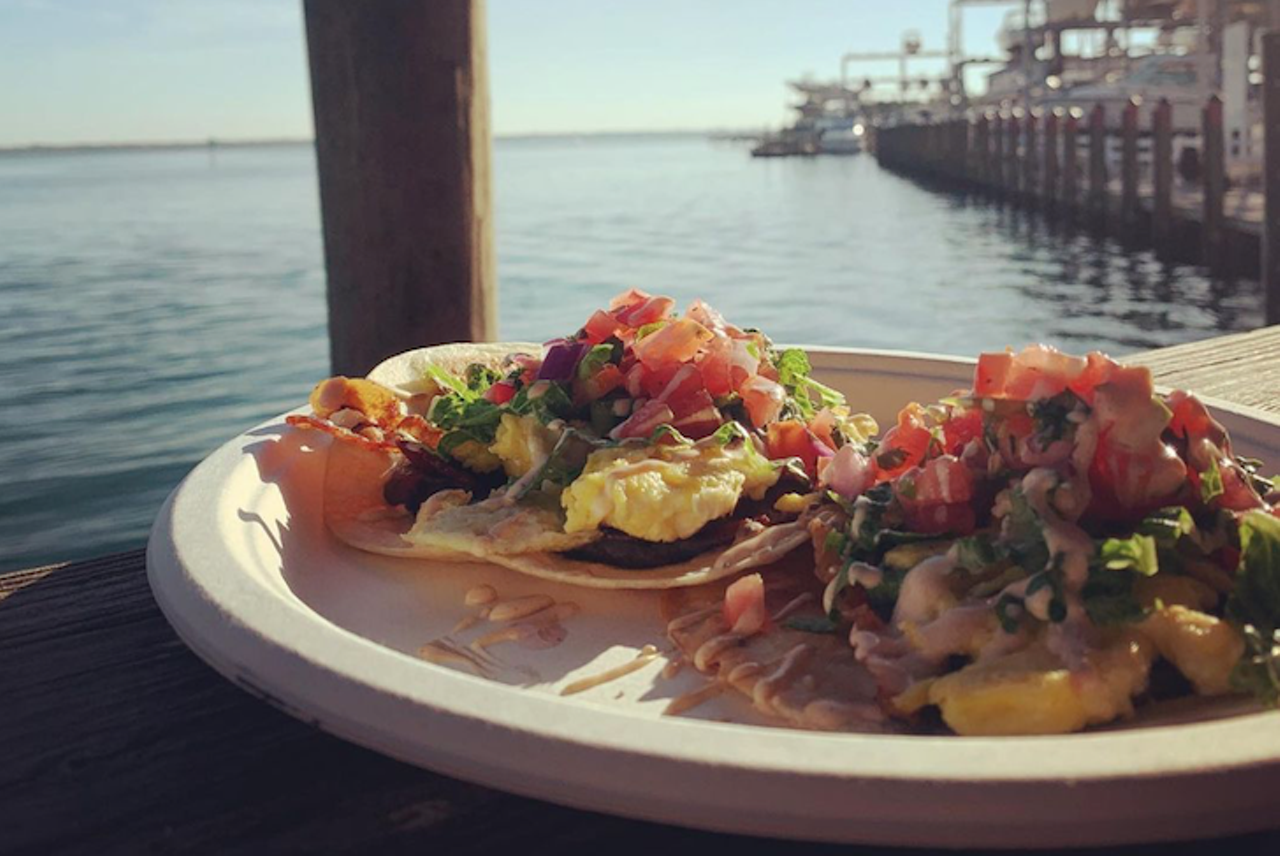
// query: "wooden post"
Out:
[1162,175]
[400,96]
[1030,164]
[1129,168]
[1215,182]
[1098,162]
[996,174]
[1012,181]
[1049,191]
[980,149]
[1271,171]
[1070,163]
[960,152]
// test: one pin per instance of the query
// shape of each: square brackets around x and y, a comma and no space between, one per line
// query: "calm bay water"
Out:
[155,303]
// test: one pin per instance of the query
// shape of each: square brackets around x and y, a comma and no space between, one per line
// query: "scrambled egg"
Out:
[1031,692]
[1203,648]
[522,442]
[476,456]
[664,493]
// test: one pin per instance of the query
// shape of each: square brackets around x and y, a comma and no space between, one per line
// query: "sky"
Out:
[88,71]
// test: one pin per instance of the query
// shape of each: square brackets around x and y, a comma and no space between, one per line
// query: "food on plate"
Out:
[1036,555]
[648,449]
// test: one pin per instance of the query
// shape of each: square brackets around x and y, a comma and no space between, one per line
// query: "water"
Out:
[154,304]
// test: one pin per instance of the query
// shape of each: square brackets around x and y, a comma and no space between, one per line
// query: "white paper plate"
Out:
[242,566]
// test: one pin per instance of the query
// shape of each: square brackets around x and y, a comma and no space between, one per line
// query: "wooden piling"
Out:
[1098,162]
[960,149]
[1215,181]
[1271,172]
[1129,168]
[1069,193]
[997,173]
[400,98]
[1030,161]
[1049,189]
[1162,176]
[979,150]
[1013,177]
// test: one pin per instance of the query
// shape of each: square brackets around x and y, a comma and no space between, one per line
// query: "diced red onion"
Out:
[560,361]
[848,473]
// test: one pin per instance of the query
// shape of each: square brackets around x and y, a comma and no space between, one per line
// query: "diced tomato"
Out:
[791,439]
[726,365]
[1036,372]
[654,380]
[1191,419]
[961,429]
[992,374]
[1127,483]
[1098,370]
[600,384]
[643,421]
[944,480]
[627,299]
[600,326]
[905,445]
[710,318]
[677,342]
[936,496]
[744,606]
[634,380]
[501,392]
[644,312]
[682,383]
[763,398]
[823,426]
[1237,493]
[697,415]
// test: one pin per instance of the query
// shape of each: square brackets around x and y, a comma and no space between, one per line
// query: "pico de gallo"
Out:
[1047,549]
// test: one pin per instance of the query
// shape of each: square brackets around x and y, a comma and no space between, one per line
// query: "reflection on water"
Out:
[154,304]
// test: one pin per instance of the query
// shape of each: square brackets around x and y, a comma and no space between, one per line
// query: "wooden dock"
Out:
[1120,181]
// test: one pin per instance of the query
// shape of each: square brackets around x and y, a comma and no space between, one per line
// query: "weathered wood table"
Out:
[114,738]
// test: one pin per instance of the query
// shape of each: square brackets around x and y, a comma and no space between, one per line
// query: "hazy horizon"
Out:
[146,71]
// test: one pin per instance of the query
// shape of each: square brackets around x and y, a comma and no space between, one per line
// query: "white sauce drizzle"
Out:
[646,655]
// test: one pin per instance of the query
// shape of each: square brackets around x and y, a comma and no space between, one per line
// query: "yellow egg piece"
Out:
[521,443]
[1203,648]
[664,493]
[1032,692]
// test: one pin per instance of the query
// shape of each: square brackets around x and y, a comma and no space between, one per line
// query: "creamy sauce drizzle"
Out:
[646,655]
[794,604]
[481,595]
[520,607]
[688,701]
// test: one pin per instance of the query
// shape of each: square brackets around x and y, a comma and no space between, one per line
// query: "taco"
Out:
[1051,550]
[646,450]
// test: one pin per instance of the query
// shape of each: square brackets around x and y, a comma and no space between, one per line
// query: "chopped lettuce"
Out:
[1254,607]
[1211,483]
[793,373]
[1136,553]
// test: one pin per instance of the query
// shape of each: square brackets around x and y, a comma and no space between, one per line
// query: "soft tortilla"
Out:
[356,512]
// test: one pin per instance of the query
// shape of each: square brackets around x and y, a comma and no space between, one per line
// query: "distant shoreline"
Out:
[214,144]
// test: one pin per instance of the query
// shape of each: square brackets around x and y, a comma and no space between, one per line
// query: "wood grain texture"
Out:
[400,97]
[114,738]
[1243,368]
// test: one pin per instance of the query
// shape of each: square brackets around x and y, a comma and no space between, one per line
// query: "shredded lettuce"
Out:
[1211,483]
[1254,607]
[546,400]
[793,373]
[1136,553]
